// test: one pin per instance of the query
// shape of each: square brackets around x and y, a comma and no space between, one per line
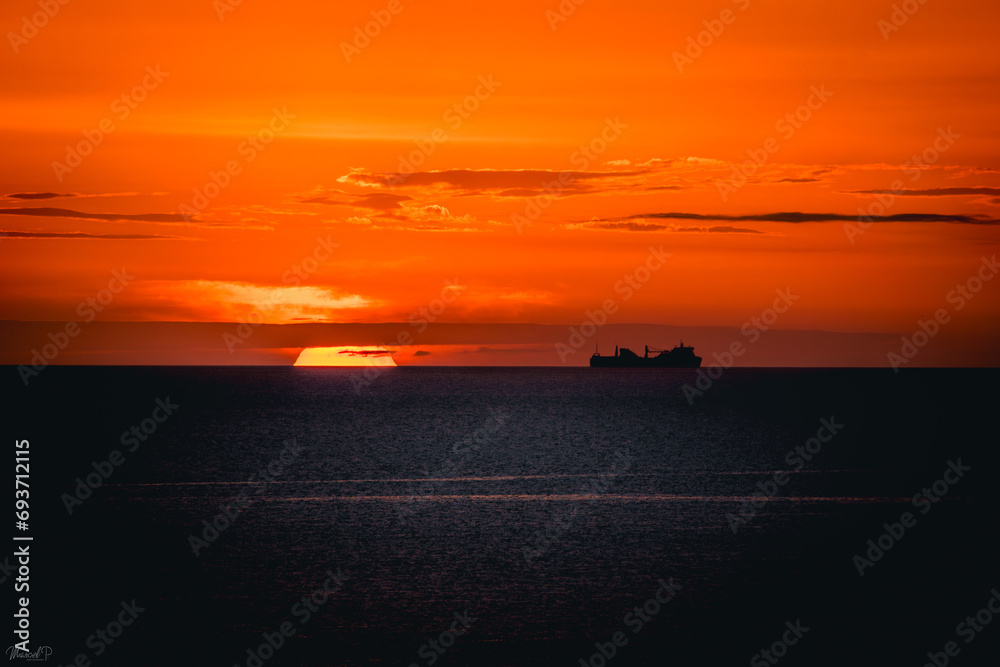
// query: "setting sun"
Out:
[345,356]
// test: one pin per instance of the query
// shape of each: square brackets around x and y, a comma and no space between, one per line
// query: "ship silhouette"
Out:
[682,356]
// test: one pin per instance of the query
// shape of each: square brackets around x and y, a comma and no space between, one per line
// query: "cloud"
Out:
[415,217]
[28,196]
[720,229]
[264,296]
[36,195]
[932,192]
[435,210]
[499,182]
[221,300]
[625,226]
[618,176]
[47,212]
[798,217]
[155,218]
[365,353]
[630,226]
[380,204]
[379,201]
[84,235]
[421,353]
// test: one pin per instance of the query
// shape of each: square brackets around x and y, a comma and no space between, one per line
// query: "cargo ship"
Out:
[682,356]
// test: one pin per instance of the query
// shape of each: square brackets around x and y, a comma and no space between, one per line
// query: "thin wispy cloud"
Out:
[156,218]
[506,183]
[481,180]
[380,201]
[799,217]
[84,236]
[35,196]
[932,192]
[632,226]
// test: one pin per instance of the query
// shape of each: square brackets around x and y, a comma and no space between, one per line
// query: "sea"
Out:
[506,516]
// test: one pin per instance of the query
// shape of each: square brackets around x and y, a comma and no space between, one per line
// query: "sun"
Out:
[357,355]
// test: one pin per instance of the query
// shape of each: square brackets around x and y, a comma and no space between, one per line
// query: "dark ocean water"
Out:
[538,506]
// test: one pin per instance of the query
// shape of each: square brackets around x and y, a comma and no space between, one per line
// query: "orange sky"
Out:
[486,104]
